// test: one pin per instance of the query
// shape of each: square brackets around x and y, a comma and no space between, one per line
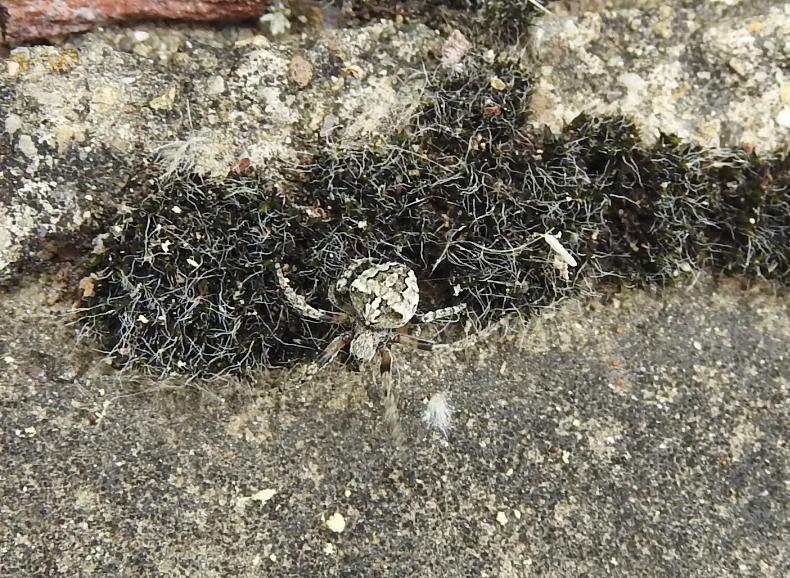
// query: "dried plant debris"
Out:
[488,214]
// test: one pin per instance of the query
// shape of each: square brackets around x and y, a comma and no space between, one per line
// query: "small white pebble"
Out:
[336,523]
[28,432]
[264,495]
[12,67]
[276,21]
[142,318]
[176,209]
[517,514]
[194,263]
[13,123]
[697,345]
[501,517]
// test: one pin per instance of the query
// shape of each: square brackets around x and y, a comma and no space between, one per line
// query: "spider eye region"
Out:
[385,296]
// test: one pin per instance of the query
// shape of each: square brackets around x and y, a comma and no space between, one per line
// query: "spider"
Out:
[380,300]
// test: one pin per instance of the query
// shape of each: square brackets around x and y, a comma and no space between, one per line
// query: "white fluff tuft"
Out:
[438,413]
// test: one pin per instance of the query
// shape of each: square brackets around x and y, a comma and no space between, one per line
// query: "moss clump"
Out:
[463,195]
[186,281]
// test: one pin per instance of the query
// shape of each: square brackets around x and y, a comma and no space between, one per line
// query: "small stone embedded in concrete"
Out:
[27,432]
[501,517]
[215,85]
[165,100]
[105,97]
[300,71]
[12,68]
[263,495]
[336,523]
[27,146]
[13,123]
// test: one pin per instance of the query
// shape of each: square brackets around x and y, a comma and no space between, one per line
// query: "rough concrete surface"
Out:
[643,435]
[712,72]
[78,119]
[646,436]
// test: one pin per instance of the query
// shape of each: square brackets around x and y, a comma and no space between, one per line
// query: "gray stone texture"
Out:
[640,435]
[644,436]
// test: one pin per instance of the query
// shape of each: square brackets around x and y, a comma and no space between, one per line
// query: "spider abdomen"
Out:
[385,296]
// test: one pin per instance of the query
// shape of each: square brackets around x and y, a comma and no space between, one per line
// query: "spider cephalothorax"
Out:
[378,302]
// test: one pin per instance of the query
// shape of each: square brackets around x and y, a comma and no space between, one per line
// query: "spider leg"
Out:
[429,345]
[326,357]
[336,302]
[301,305]
[431,316]
[391,413]
[415,342]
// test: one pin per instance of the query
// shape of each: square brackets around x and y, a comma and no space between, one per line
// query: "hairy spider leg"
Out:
[430,316]
[430,345]
[391,413]
[301,305]
[329,354]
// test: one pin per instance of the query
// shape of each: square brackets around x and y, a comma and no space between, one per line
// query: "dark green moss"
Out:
[463,196]
[187,282]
